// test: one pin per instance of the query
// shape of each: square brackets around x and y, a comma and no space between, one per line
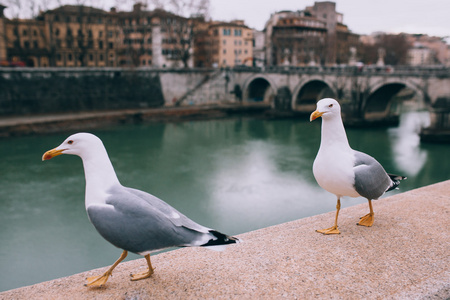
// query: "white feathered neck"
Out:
[99,174]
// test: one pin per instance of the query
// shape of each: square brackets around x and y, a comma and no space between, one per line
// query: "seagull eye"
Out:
[330,106]
[70,142]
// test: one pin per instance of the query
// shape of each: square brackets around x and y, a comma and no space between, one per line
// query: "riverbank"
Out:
[84,121]
[403,256]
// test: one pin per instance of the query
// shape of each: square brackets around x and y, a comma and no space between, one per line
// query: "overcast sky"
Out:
[431,17]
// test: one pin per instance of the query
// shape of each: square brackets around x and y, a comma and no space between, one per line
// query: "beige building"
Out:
[233,44]
[155,38]
[81,36]
[427,50]
[23,42]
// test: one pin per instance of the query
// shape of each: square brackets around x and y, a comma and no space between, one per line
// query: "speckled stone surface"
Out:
[405,255]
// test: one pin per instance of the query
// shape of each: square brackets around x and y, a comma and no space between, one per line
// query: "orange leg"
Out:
[145,274]
[368,219]
[98,281]
[334,229]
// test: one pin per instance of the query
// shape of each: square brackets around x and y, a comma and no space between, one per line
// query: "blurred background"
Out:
[206,105]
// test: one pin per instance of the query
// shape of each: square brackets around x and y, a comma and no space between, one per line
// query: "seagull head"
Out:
[77,144]
[326,108]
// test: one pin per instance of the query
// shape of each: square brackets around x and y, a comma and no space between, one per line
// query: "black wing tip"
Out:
[221,239]
[395,181]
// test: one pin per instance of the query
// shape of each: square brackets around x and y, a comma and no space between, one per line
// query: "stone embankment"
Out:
[405,255]
[83,121]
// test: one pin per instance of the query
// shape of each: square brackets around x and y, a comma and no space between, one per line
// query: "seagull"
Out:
[343,171]
[128,218]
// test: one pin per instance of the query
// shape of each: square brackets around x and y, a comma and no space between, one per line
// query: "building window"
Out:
[110,45]
[100,44]
[224,42]
[35,44]
[226,31]
[100,33]
[224,51]
[238,32]
[100,57]
[26,44]
[91,57]
[34,32]
[24,32]
[58,56]
[69,57]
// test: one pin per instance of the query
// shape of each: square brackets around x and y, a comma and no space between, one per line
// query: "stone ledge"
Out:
[405,255]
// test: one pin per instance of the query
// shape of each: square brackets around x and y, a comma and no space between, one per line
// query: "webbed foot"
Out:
[331,230]
[367,220]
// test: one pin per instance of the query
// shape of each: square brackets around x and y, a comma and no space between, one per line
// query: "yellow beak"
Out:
[316,114]
[52,153]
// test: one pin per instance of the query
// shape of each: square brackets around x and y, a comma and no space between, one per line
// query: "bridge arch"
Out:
[377,104]
[259,88]
[309,91]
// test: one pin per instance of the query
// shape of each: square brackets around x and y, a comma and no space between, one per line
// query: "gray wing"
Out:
[371,180]
[138,222]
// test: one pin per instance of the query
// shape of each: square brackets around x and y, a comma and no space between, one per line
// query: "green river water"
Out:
[232,175]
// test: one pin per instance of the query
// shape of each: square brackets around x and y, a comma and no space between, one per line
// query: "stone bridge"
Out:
[366,93]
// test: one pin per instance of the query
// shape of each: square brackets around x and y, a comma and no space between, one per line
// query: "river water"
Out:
[233,175]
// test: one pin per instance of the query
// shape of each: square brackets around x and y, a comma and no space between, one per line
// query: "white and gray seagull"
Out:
[343,171]
[131,219]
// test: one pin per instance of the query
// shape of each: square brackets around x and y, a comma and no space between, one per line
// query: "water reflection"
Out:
[405,140]
[232,175]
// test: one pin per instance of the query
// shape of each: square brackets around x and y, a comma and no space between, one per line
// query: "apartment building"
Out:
[315,35]
[82,36]
[155,38]
[427,50]
[232,44]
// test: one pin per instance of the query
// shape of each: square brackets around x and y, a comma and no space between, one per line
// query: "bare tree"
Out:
[180,28]
[395,45]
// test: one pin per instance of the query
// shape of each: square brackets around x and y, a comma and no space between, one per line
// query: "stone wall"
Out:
[54,90]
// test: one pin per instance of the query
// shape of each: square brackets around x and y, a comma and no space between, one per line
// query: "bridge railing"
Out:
[367,70]
[351,70]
